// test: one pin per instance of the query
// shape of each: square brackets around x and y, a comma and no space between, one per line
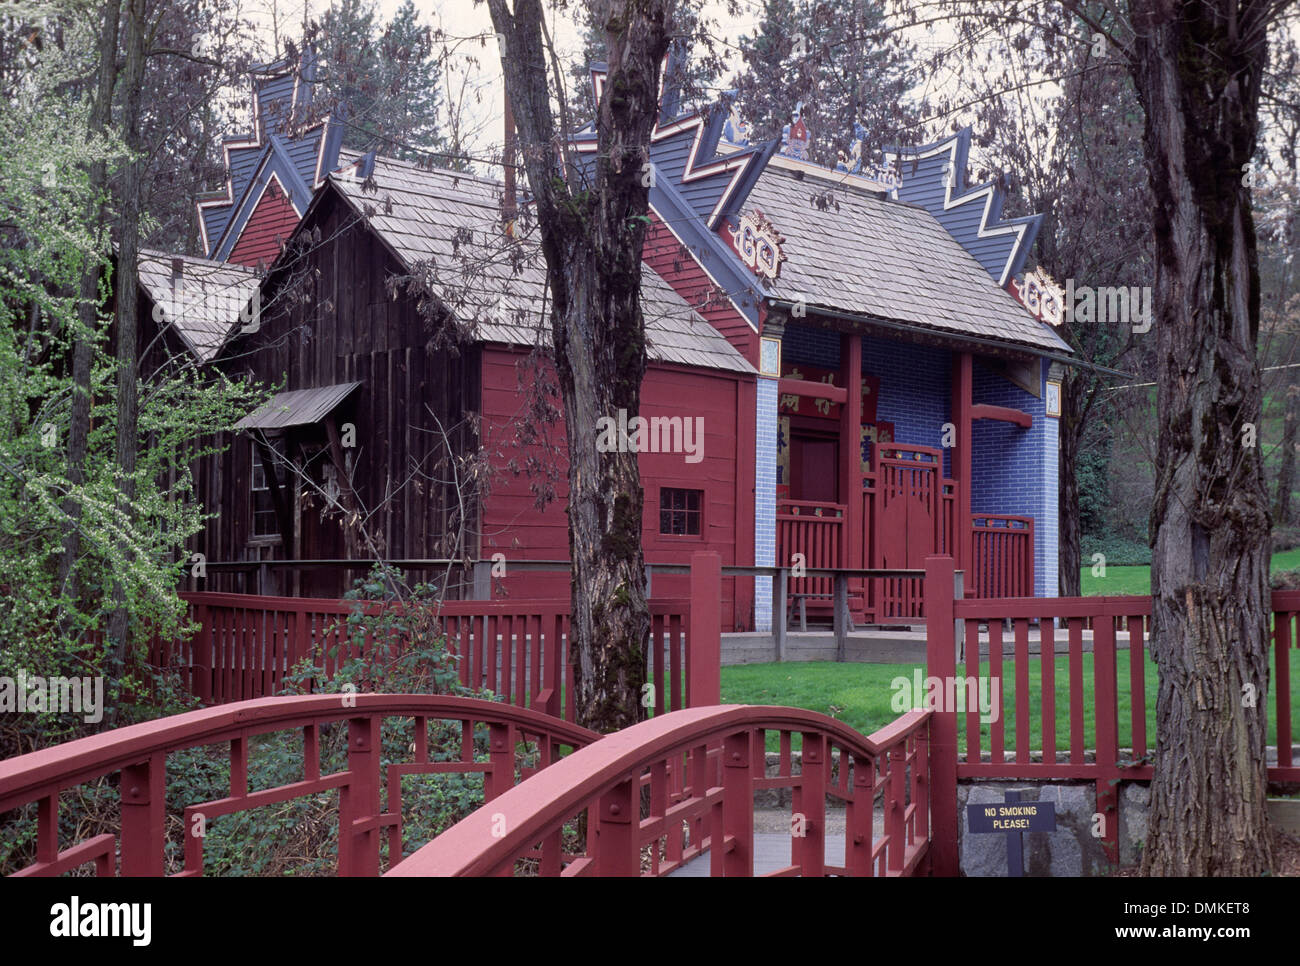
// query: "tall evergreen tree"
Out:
[697,68]
[842,61]
[386,76]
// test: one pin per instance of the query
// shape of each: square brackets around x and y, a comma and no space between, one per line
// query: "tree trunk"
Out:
[128,299]
[592,226]
[1286,475]
[87,309]
[1069,545]
[1197,68]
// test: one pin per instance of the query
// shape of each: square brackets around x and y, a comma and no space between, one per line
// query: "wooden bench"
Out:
[800,600]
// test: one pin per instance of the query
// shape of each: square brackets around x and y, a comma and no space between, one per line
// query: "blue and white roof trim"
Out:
[694,188]
[933,176]
[684,147]
[284,145]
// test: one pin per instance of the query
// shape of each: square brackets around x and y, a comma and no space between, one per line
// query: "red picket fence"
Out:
[139,752]
[1091,749]
[698,770]
[247,644]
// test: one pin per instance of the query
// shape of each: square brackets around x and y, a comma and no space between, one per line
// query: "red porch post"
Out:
[941,662]
[704,659]
[962,378]
[851,450]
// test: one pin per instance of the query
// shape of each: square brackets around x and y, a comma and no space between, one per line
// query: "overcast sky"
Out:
[474,72]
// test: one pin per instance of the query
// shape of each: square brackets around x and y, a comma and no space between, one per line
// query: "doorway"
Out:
[814,468]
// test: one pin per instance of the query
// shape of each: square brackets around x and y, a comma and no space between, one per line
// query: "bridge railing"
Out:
[669,789]
[139,754]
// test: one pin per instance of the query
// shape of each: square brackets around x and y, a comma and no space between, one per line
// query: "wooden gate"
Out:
[908,522]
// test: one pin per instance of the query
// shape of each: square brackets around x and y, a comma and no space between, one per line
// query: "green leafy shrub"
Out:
[1286,538]
[1119,551]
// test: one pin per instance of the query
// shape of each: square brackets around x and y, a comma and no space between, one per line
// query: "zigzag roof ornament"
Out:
[934,177]
[684,151]
[694,188]
[287,144]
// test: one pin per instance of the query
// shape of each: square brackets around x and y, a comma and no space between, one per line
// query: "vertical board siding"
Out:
[341,327]
[270,225]
[514,526]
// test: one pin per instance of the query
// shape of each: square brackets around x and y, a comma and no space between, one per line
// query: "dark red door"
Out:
[814,469]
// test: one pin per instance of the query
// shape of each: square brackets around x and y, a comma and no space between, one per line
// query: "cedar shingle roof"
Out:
[453,219]
[212,296]
[872,256]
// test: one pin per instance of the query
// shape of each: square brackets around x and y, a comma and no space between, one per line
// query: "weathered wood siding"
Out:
[347,328]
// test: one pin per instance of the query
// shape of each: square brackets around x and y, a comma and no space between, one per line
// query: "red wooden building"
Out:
[842,366]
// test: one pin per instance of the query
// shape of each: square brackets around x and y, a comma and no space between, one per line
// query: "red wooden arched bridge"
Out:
[673,795]
[651,798]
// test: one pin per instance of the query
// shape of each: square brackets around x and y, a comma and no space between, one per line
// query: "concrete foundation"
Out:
[872,646]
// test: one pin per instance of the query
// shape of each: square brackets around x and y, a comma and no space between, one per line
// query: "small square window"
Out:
[679,512]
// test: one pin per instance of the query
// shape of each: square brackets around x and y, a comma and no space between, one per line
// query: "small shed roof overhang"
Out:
[297,407]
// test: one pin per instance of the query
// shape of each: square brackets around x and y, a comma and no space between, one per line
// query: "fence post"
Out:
[359,801]
[738,805]
[200,654]
[704,663]
[780,583]
[616,848]
[940,659]
[841,619]
[144,794]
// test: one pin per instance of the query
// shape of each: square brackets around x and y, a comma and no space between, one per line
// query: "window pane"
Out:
[679,511]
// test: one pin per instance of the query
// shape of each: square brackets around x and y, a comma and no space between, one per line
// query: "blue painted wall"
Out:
[915,381]
[915,391]
[1014,469]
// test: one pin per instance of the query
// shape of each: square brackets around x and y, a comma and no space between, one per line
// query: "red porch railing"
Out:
[815,530]
[139,752]
[1003,548]
[699,769]
[247,644]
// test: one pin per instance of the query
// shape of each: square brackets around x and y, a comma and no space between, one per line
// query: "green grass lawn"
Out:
[1137,580]
[861,695]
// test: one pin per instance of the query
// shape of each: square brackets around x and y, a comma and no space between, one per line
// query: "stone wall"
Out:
[1071,850]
